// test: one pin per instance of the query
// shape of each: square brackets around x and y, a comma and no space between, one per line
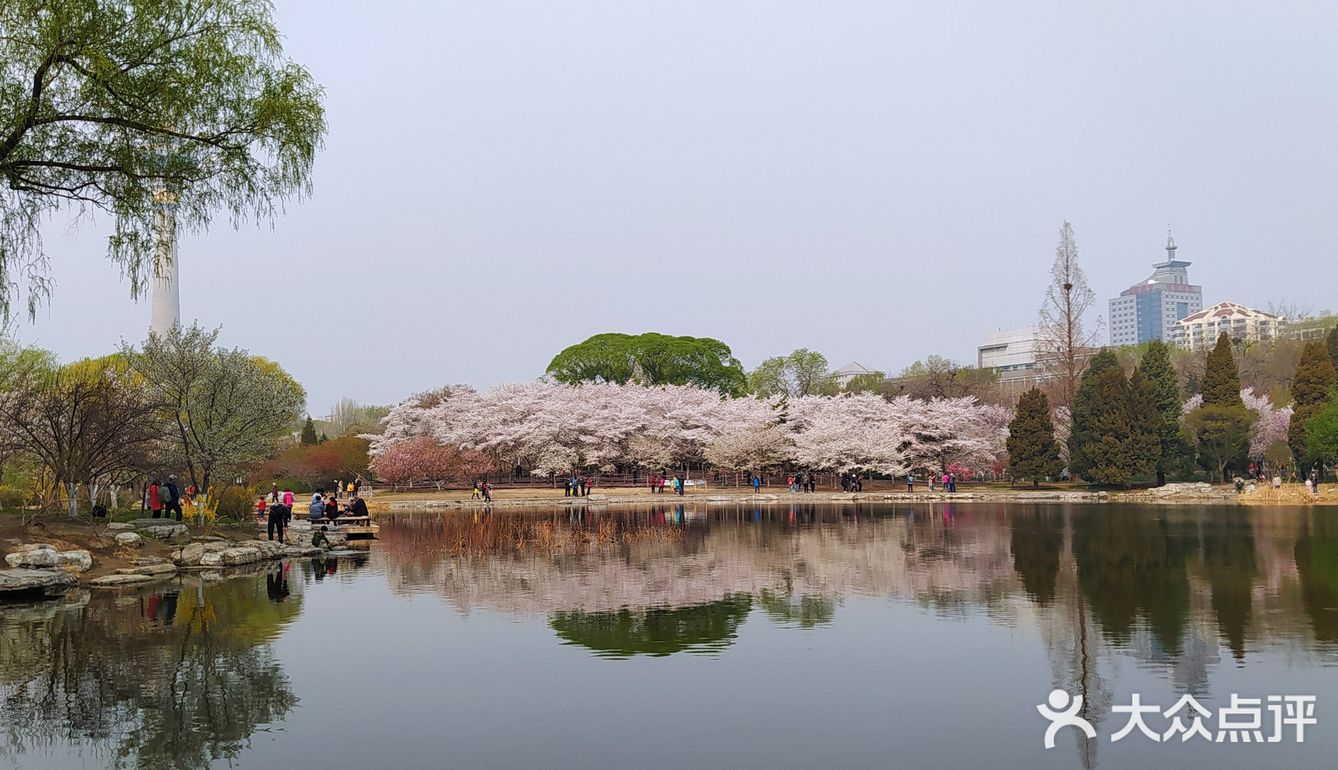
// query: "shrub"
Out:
[12,498]
[232,502]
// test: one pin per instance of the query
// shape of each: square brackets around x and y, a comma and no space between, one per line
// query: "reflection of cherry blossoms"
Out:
[550,427]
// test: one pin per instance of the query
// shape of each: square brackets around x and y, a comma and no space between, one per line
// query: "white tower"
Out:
[166,290]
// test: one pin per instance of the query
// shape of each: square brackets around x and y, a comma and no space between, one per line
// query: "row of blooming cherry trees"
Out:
[458,432]
[549,427]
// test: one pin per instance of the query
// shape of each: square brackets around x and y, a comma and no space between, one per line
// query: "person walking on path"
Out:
[173,502]
[155,502]
[274,494]
[757,484]
[287,499]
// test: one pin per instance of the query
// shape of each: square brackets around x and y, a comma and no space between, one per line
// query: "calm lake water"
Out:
[867,636]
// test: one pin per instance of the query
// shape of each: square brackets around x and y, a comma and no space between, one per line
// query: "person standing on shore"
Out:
[910,482]
[757,484]
[274,494]
[173,498]
[1314,480]
[155,502]
[278,520]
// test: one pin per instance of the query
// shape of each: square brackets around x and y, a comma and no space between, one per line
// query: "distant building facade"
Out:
[849,372]
[1199,331]
[1012,350]
[1151,310]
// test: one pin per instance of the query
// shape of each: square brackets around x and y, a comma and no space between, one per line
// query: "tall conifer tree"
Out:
[1312,386]
[1157,371]
[1084,401]
[1033,452]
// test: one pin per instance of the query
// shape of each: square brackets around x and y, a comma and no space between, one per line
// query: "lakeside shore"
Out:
[1186,493]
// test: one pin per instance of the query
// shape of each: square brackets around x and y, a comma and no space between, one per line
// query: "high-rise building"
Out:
[166,299]
[1152,309]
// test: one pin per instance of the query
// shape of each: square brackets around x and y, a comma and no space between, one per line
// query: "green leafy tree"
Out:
[226,409]
[651,359]
[1155,368]
[1331,342]
[309,433]
[1033,452]
[1312,387]
[123,106]
[1084,401]
[939,377]
[802,373]
[1221,434]
[1321,432]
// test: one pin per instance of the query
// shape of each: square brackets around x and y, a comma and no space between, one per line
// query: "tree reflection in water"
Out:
[172,678]
[656,631]
[1317,563]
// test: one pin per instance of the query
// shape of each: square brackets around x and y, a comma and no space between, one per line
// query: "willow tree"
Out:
[121,107]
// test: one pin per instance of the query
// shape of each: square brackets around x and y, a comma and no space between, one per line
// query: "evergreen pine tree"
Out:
[1112,440]
[308,432]
[1033,452]
[1083,401]
[1221,378]
[1314,381]
[1146,428]
[1156,369]
[1221,426]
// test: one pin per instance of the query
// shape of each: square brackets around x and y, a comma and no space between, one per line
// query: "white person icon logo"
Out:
[1063,712]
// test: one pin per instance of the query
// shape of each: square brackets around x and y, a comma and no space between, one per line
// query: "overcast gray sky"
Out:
[875,180]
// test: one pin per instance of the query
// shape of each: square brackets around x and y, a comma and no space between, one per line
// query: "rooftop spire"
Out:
[1170,245]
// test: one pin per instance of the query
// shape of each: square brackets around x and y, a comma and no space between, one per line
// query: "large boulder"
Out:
[120,526]
[211,559]
[44,582]
[129,540]
[235,556]
[296,551]
[79,560]
[42,557]
[169,532]
[189,555]
[269,549]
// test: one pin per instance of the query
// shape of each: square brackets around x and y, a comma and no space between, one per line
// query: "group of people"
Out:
[277,511]
[851,482]
[578,486]
[658,482]
[164,499]
[349,489]
[948,481]
[482,491]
